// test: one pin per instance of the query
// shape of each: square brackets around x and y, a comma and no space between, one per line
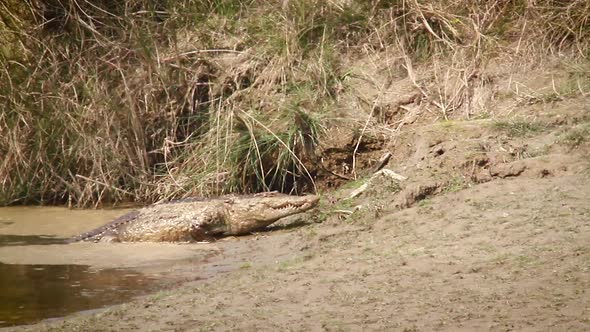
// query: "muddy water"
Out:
[32,292]
[52,221]
[42,277]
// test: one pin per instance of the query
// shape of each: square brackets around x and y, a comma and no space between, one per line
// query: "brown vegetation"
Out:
[108,101]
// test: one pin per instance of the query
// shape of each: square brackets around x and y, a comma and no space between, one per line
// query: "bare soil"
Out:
[491,231]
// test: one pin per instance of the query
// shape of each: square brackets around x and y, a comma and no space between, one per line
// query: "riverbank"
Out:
[482,110]
[504,247]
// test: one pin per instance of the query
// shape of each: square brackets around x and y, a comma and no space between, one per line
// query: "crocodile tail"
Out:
[102,229]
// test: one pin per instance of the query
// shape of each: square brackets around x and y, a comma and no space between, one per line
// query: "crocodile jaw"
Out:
[260,211]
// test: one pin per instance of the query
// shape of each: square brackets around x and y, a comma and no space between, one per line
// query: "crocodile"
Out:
[197,219]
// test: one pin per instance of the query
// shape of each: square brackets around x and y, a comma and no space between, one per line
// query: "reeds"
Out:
[107,101]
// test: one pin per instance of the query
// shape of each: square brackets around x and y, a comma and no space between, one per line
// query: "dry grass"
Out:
[110,101]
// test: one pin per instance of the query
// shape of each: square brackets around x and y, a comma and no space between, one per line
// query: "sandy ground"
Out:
[502,256]
[490,232]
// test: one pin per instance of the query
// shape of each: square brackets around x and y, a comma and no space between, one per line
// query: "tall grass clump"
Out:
[139,100]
